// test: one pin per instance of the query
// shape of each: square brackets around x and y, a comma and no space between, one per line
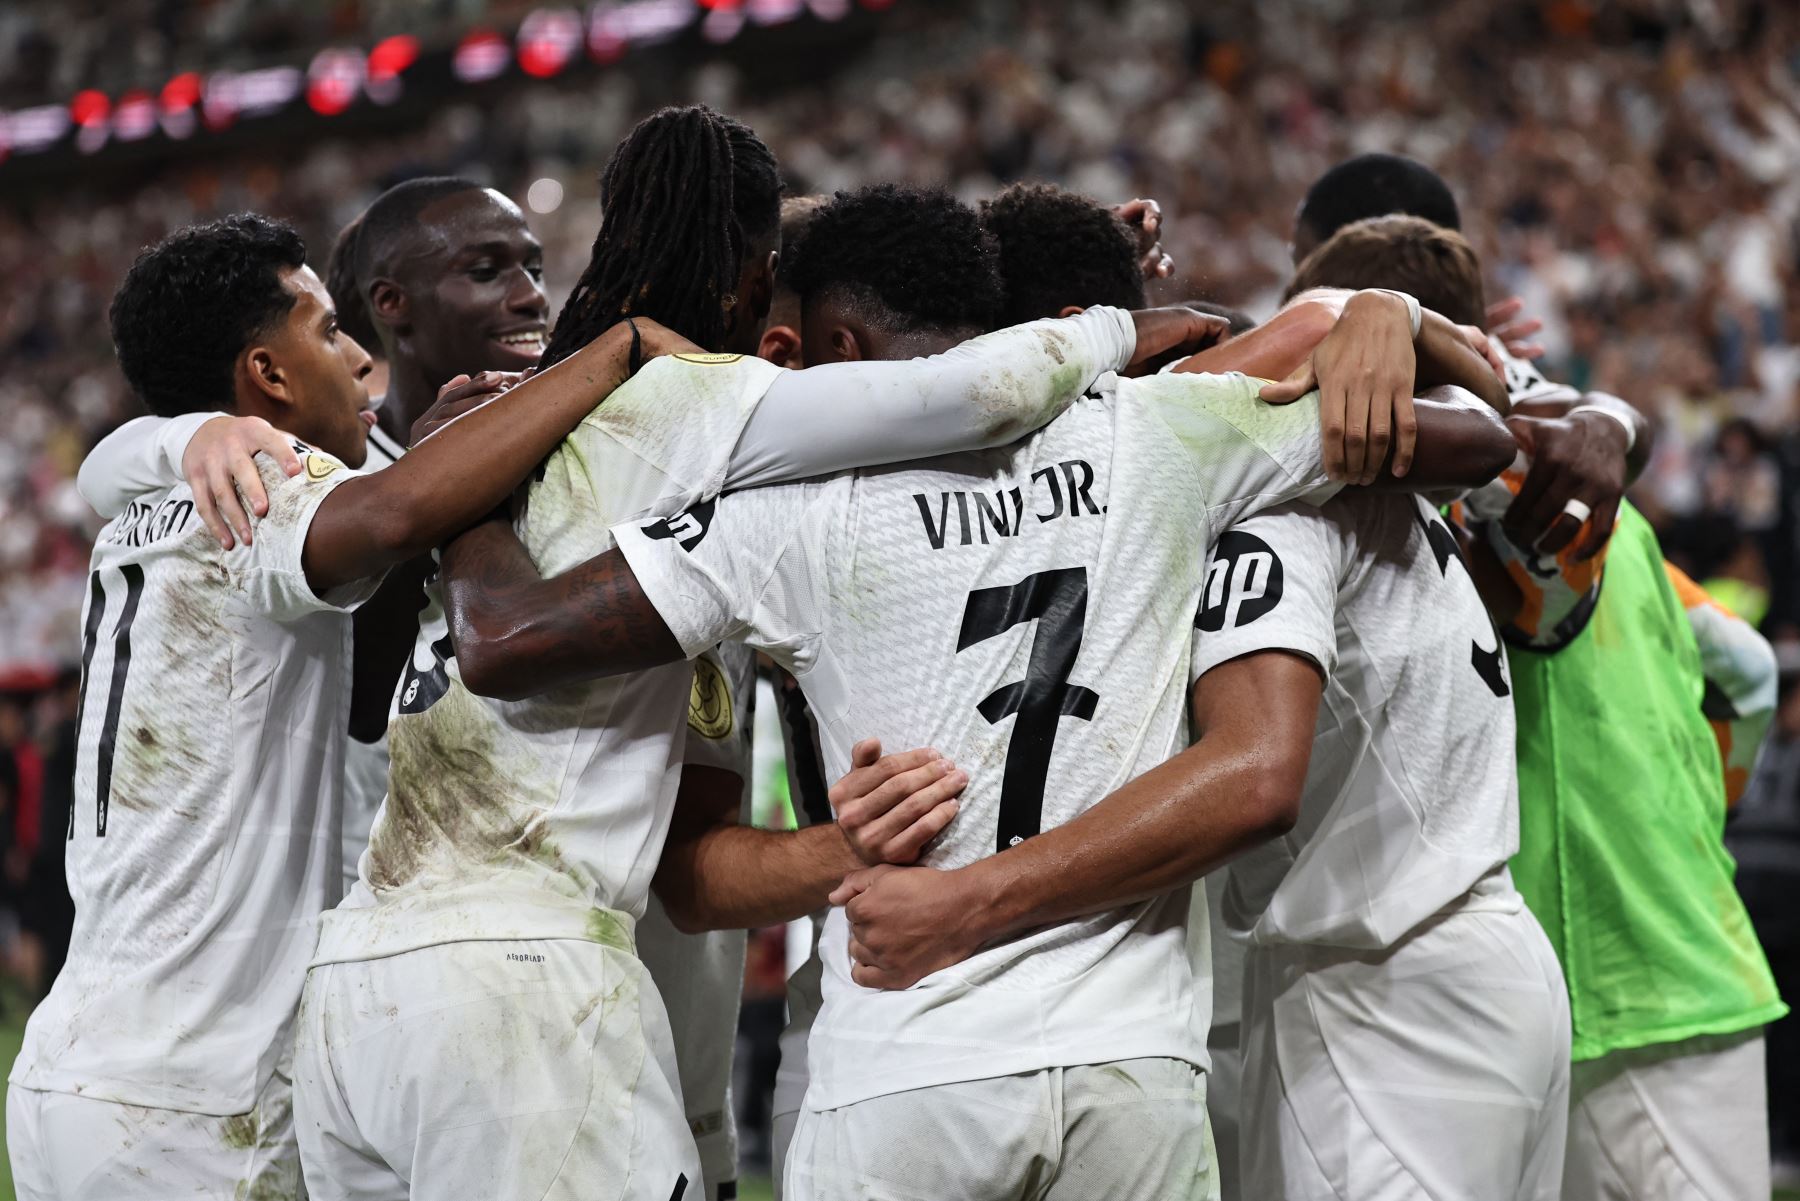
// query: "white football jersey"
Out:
[1026,610]
[203,841]
[1411,798]
[545,818]
[701,976]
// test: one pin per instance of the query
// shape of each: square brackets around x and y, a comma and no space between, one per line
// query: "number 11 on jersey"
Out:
[1057,601]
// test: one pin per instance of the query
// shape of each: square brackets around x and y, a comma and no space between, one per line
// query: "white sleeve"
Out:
[1271,584]
[143,455]
[1249,455]
[987,392]
[746,567]
[269,572]
[719,711]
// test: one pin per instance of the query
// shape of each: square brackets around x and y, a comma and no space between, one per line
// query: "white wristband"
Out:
[1625,422]
[1413,312]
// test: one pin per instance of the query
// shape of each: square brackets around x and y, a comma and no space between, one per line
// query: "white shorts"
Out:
[1436,1069]
[1683,1121]
[530,1069]
[1133,1129]
[70,1148]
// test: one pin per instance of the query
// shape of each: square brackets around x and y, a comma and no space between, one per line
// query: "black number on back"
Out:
[1489,665]
[1057,601]
[115,694]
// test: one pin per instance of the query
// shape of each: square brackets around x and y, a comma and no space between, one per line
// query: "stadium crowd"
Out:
[1630,172]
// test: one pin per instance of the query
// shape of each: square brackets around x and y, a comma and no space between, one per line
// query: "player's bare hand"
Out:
[889,806]
[1167,334]
[1575,482]
[1514,330]
[1483,345]
[220,468]
[1144,219]
[463,394]
[906,923]
[1364,372]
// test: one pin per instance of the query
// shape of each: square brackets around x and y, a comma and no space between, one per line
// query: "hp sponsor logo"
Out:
[1242,583]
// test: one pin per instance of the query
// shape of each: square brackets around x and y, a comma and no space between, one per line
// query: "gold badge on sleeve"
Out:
[709,705]
[319,466]
[709,360]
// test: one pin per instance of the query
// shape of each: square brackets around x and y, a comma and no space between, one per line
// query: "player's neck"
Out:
[409,394]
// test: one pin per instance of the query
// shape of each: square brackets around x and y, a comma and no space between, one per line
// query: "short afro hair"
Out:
[346,290]
[191,303]
[1375,185]
[1059,248]
[364,248]
[920,254]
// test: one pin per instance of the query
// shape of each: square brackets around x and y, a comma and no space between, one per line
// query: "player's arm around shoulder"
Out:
[270,568]
[462,470]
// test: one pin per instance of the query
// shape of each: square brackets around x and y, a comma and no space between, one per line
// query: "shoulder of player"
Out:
[292,496]
[1186,401]
[682,381]
[316,467]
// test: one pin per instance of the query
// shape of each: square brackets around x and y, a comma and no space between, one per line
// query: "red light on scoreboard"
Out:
[548,39]
[89,108]
[482,55]
[333,81]
[181,93]
[393,55]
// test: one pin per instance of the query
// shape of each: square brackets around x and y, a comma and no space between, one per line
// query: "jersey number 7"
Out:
[1057,601]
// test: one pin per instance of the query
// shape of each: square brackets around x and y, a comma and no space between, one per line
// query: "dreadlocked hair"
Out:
[682,199]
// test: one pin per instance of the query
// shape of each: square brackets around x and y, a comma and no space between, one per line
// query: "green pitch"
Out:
[12,1034]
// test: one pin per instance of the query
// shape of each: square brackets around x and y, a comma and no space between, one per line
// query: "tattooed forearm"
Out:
[518,634]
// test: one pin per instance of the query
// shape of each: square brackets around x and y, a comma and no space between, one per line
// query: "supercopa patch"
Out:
[709,704]
[319,466]
[1243,582]
[709,360]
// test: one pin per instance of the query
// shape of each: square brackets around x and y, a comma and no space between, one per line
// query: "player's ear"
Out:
[1071,310]
[781,346]
[262,373]
[846,347]
[388,303]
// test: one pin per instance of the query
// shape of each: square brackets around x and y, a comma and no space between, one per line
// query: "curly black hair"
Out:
[192,302]
[919,253]
[1059,248]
